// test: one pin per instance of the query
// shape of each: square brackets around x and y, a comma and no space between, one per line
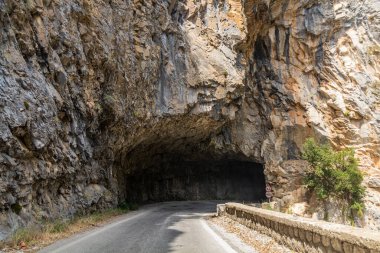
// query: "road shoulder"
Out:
[243,238]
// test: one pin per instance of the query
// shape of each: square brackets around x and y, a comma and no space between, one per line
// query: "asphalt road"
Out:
[158,228]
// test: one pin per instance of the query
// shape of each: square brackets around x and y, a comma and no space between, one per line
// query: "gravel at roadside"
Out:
[260,242]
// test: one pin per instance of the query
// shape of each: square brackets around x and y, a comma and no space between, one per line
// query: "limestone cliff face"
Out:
[314,71]
[91,90]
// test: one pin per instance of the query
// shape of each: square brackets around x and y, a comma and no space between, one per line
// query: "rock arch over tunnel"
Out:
[179,161]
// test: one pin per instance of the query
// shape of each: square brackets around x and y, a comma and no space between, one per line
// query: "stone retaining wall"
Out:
[303,234]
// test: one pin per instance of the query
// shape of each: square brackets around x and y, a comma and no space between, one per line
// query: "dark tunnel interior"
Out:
[188,158]
[172,177]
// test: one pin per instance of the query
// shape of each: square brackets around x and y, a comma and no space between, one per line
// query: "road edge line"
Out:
[220,240]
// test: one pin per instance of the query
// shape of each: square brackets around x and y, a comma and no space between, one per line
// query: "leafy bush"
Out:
[16,208]
[334,174]
[26,104]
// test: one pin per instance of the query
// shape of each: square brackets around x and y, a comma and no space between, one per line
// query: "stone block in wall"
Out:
[309,236]
[220,209]
[326,241]
[358,249]
[336,244]
[316,238]
[347,247]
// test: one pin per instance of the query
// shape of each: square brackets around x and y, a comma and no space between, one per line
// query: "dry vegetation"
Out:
[32,238]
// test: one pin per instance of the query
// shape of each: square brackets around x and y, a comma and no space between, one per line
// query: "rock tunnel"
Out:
[181,164]
[175,178]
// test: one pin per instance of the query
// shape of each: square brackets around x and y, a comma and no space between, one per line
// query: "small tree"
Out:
[334,174]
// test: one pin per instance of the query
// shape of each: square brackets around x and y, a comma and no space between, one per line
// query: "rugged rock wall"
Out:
[91,89]
[84,83]
[313,68]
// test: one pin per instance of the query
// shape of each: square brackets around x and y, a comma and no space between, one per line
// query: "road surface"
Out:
[158,228]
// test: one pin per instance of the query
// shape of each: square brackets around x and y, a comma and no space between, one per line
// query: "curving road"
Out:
[158,228]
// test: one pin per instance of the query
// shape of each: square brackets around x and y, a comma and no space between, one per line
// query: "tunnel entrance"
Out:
[188,158]
[172,177]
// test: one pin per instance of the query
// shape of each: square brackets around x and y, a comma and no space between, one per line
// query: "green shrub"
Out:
[267,206]
[334,174]
[16,208]
[26,105]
